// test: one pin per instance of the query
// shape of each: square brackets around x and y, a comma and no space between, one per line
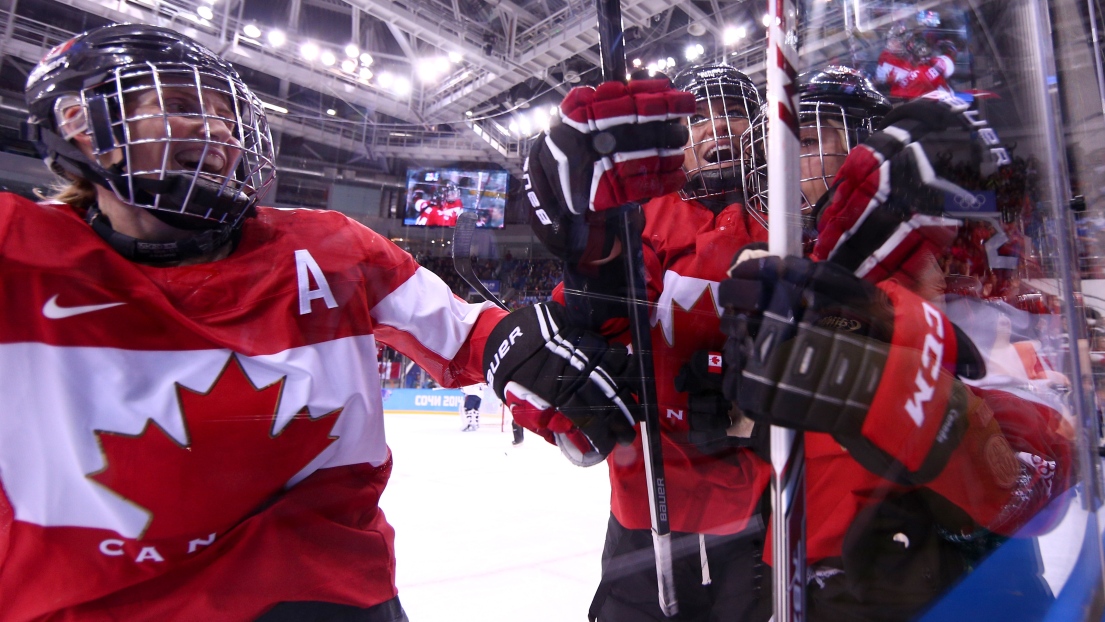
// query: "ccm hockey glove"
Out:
[812,347]
[614,144]
[548,371]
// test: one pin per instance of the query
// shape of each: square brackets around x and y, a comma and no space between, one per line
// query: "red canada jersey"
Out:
[687,251]
[909,81]
[440,214]
[201,442]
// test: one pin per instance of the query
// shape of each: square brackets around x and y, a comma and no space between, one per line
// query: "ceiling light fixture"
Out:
[352,51]
[276,38]
[251,31]
[309,51]
[205,12]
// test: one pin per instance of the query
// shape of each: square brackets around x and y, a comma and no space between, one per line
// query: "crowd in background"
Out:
[521,281]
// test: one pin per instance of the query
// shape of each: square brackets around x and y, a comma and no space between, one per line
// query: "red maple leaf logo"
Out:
[231,464]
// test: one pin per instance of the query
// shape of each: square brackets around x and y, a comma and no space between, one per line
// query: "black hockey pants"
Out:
[387,611]
[740,582]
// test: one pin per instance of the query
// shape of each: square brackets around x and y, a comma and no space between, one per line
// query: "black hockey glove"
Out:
[715,424]
[534,360]
[812,347]
[901,192]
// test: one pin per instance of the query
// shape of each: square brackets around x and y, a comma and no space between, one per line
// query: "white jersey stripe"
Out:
[424,307]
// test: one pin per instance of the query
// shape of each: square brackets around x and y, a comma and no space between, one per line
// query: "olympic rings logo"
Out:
[968,202]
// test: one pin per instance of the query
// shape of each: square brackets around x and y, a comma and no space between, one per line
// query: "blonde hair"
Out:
[75,191]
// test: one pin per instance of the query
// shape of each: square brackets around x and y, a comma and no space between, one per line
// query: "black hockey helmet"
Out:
[713,158]
[449,191]
[838,109]
[87,85]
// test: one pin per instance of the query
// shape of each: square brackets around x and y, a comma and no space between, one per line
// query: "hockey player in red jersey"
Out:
[192,424]
[982,463]
[911,67]
[443,208]
[715,482]
[917,462]
[838,110]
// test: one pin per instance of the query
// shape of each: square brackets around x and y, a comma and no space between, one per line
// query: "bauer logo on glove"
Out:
[562,382]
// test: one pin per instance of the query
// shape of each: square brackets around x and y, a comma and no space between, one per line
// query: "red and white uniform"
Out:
[201,442]
[440,214]
[687,251]
[909,81]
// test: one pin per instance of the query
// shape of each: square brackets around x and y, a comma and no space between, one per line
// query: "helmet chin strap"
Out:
[198,245]
[715,181]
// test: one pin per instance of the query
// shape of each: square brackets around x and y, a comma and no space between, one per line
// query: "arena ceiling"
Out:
[427,81]
[507,57]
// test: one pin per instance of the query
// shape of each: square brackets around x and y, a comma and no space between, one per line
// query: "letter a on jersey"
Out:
[305,263]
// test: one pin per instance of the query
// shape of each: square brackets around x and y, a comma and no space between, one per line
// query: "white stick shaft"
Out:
[784,238]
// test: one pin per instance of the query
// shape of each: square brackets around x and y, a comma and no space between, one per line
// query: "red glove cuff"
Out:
[545,422]
[907,412]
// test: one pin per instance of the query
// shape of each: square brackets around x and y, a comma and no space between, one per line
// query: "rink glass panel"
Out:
[1021,279]
[1023,276]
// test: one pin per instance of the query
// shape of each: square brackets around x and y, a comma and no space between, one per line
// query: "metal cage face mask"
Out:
[712,159]
[827,132]
[189,143]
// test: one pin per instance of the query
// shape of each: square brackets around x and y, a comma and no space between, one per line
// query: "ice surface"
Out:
[489,531]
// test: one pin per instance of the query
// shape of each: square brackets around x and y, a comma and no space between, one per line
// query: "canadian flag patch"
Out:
[713,362]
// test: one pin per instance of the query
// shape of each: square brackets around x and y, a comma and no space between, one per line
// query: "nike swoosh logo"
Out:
[54,311]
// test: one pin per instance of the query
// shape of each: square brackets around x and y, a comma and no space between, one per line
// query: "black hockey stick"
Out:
[788,516]
[612,53]
[462,257]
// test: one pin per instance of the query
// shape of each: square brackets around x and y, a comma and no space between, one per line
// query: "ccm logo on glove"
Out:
[932,352]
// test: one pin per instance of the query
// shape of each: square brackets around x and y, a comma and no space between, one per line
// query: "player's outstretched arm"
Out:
[566,384]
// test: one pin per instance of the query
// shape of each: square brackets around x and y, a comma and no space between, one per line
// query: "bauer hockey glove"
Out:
[812,347]
[613,144]
[552,371]
[895,194]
